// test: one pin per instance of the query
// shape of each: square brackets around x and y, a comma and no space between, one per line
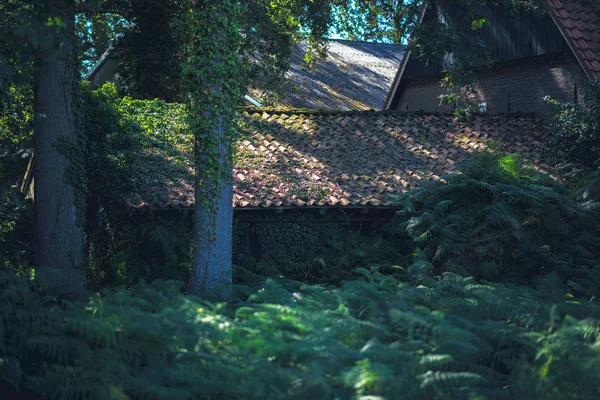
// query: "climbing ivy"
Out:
[211,73]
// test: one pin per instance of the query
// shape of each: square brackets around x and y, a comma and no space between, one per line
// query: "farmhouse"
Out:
[533,54]
[315,166]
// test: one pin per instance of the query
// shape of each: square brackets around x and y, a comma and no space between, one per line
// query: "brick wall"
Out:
[518,86]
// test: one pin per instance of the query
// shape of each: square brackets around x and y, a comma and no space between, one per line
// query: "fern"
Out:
[497,224]
[380,335]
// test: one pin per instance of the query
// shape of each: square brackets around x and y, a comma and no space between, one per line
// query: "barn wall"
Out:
[106,72]
[153,245]
[506,36]
[517,86]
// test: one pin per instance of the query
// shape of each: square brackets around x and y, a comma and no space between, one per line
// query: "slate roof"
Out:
[579,21]
[354,76]
[302,158]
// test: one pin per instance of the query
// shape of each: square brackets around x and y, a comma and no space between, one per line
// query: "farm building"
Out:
[355,76]
[534,54]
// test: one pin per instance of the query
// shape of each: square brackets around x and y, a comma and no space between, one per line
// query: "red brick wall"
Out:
[523,83]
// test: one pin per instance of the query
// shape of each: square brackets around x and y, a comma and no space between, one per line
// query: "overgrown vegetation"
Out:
[497,220]
[574,149]
[308,248]
[484,287]
[394,333]
[576,139]
[437,327]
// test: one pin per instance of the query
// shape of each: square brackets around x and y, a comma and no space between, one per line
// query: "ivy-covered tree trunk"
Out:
[58,236]
[213,222]
[213,84]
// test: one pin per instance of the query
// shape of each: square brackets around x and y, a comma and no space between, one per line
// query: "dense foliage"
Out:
[432,312]
[387,331]
[497,220]
[124,141]
[310,248]
[395,333]
[575,144]
[452,325]
[16,129]
[437,329]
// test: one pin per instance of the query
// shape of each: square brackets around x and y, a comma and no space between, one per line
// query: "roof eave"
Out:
[274,208]
[99,63]
[589,74]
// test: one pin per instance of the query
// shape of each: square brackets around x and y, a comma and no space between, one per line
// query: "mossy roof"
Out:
[302,158]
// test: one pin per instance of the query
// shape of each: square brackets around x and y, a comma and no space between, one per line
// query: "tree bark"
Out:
[58,237]
[213,224]
[213,53]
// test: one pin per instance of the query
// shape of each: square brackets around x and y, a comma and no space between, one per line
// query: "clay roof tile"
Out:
[579,21]
[348,167]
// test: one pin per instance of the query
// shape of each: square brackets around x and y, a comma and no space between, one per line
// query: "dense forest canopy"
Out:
[484,285]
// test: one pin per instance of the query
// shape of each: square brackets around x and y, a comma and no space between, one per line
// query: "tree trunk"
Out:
[211,76]
[213,224]
[58,237]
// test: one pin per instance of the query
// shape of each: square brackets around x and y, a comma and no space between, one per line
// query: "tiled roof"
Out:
[306,158]
[354,76]
[579,21]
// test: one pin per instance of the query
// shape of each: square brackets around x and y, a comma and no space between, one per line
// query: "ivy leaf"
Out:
[478,23]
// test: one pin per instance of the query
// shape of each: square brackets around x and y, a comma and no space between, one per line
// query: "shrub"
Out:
[498,220]
[575,142]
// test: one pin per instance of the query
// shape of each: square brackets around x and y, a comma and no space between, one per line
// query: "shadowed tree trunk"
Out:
[58,237]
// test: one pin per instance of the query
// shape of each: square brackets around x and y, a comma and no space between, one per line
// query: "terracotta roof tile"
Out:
[579,21]
[344,159]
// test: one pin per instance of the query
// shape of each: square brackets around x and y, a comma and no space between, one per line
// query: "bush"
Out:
[122,139]
[499,221]
[575,142]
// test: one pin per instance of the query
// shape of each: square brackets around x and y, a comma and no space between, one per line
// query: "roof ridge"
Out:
[367,42]
[311,111]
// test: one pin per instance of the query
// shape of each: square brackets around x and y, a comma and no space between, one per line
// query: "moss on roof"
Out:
[318,158]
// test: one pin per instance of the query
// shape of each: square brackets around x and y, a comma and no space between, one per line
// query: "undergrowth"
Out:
[400,335]
[501,221]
